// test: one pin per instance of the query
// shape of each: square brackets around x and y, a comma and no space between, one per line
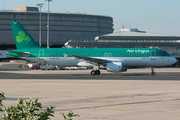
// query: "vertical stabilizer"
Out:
[22,38]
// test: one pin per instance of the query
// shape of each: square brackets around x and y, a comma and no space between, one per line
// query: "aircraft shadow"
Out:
[103,76]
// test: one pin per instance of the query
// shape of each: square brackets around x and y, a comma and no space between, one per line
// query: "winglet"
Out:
[65,55]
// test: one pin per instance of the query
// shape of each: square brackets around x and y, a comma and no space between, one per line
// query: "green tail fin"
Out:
[22,37]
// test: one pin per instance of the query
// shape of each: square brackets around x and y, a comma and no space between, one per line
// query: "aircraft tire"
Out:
[98,72]
[153,73]
[93,72]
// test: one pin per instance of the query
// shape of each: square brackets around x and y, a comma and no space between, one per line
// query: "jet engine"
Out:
[84,64]
[116,67]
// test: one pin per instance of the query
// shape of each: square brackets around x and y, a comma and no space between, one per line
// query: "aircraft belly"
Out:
[137,62]
[34,59]
[63,61]
[128,62]
[145,62]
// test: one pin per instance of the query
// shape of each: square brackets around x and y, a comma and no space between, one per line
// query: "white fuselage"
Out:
[127,61]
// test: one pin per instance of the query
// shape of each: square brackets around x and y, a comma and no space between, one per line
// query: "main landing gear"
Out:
[152,69]
[95,72]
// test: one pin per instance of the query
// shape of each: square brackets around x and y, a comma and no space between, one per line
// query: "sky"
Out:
[156,16]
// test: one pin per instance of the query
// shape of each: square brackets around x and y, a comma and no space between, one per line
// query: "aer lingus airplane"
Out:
[114,59]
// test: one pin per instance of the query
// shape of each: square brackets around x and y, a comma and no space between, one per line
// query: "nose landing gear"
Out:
[152,71]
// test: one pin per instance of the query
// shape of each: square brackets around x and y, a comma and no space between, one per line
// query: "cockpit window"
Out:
[165,54]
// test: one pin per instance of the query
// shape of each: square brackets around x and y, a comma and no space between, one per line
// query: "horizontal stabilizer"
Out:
[25,54]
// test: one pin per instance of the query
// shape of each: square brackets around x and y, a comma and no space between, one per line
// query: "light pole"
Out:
[48,24]
[40,5]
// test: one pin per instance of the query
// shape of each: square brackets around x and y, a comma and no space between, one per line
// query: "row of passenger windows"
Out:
[98,54]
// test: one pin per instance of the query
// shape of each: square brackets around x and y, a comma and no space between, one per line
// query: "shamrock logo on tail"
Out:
[22,37]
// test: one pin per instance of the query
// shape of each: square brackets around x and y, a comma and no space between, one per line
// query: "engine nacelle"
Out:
[124,69]
[84,64]
[115,67]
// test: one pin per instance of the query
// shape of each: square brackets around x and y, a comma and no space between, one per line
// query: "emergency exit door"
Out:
[152,55]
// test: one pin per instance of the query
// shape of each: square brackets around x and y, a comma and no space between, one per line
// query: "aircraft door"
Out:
[41,54]
[152,55]
[107,54]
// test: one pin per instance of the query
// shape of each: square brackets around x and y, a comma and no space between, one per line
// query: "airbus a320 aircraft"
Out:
[114,59]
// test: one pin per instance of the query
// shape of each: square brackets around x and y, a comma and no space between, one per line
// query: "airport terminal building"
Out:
[81,30]
[63,26]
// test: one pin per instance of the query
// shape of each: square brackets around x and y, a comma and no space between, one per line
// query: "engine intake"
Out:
[116,67]
[84,64]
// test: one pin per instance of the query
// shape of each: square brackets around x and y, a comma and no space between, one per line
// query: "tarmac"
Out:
[132,95]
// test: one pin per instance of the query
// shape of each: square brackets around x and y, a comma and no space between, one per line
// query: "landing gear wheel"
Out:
[93,72]
[152,69]
[153,73]
[98,72]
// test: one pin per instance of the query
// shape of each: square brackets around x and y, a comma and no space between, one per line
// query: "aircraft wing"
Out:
[95,61]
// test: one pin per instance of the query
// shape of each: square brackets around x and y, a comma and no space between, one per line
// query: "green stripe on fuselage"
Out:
[93,52]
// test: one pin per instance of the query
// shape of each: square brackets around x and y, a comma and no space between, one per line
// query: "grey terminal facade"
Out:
[81,30]
[63,26]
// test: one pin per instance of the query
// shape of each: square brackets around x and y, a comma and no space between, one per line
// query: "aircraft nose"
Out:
[174,60]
